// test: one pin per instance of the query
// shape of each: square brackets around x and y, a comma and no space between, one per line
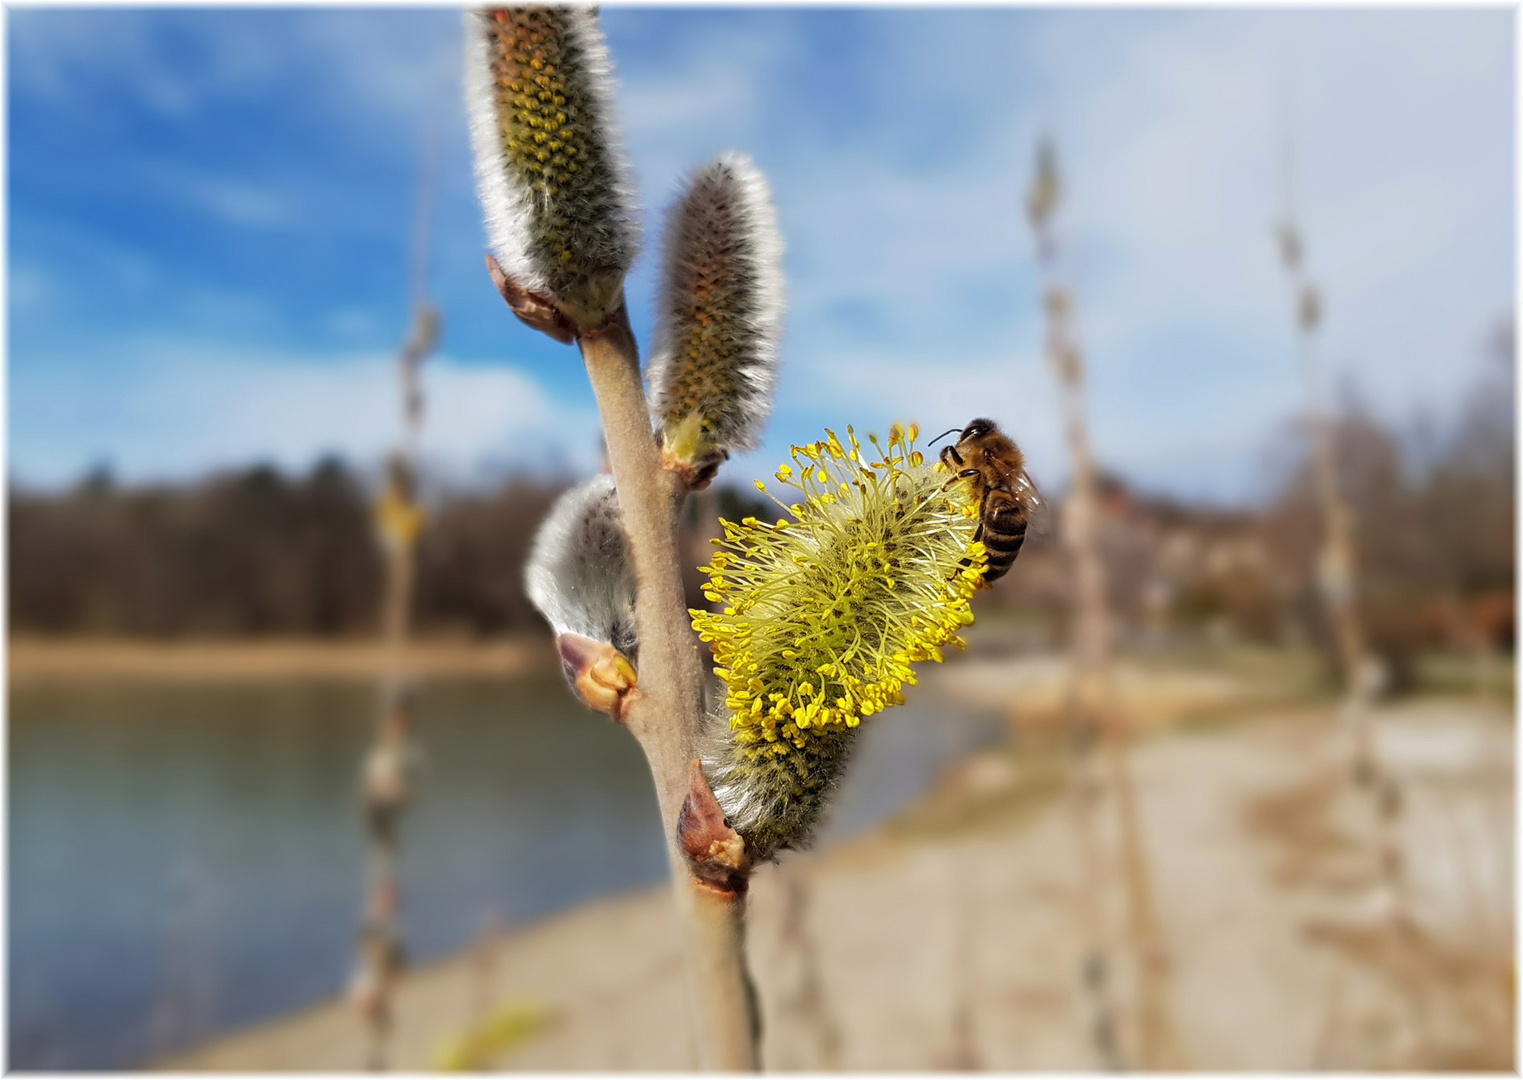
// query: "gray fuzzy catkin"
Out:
[578,574]
[554,183]
[719,312]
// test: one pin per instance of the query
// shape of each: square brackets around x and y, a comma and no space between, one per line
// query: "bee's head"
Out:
[977,429]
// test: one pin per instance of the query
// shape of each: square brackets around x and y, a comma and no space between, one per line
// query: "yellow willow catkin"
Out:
[719,314]
[553,182]
[822,615]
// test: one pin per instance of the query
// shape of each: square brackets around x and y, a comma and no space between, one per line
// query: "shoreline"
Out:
[864,956]
[43,660]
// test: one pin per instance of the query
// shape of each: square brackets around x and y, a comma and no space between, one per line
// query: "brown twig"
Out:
[1093,690]
[1339,574]
[667,717]
[1157,1038]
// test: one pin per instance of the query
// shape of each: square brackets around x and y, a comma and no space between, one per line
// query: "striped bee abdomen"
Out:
[1003,532]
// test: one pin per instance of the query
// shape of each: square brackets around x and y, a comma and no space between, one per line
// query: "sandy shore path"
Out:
[34,660]
[952,937]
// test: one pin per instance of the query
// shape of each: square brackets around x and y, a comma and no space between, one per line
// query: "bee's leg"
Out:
[983,528]
[963,475]
[601,675]
[950,456]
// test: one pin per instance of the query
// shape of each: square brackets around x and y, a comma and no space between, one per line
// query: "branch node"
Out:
[600,674]
[533,310]
[715,852]
[693,476]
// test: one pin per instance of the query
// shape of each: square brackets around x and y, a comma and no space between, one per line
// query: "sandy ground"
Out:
[953,937]
[40,659]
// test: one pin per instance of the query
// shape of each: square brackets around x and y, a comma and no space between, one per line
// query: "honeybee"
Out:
[995,470]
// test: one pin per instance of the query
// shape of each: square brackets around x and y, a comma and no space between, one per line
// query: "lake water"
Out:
[187,859]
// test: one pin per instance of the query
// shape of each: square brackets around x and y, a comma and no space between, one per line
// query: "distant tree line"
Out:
[259,552]
[1433,506]
[1434,516]
[248,553]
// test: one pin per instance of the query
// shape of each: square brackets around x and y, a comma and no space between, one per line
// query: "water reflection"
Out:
[187,859]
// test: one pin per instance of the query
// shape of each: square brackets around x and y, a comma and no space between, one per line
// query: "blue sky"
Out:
[209,215]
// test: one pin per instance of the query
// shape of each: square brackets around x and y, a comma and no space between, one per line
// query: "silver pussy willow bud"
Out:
[578,574]
[553,182]
[720,317]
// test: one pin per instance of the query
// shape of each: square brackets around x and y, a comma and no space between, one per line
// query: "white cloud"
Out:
[233,200]
[28,287]
[913,281]
[354,323]
[678,116]
[65,54]
[183,408]
[939,392]
[1403,127]
[377,70]
[900,164]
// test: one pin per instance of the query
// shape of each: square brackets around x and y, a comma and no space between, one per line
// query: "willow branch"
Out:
[667,713]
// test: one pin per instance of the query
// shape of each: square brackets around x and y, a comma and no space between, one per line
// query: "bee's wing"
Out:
[1040,514]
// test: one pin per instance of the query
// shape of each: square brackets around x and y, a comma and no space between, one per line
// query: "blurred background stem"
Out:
[388,761]
[1339,578]
[1093,697]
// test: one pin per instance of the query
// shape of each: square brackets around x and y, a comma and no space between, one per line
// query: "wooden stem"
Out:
[396,618]
[1339,572]
[667,717]
[1338,565]
[1158,1044]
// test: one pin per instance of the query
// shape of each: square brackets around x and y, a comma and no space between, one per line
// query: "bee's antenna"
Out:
[943,435]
